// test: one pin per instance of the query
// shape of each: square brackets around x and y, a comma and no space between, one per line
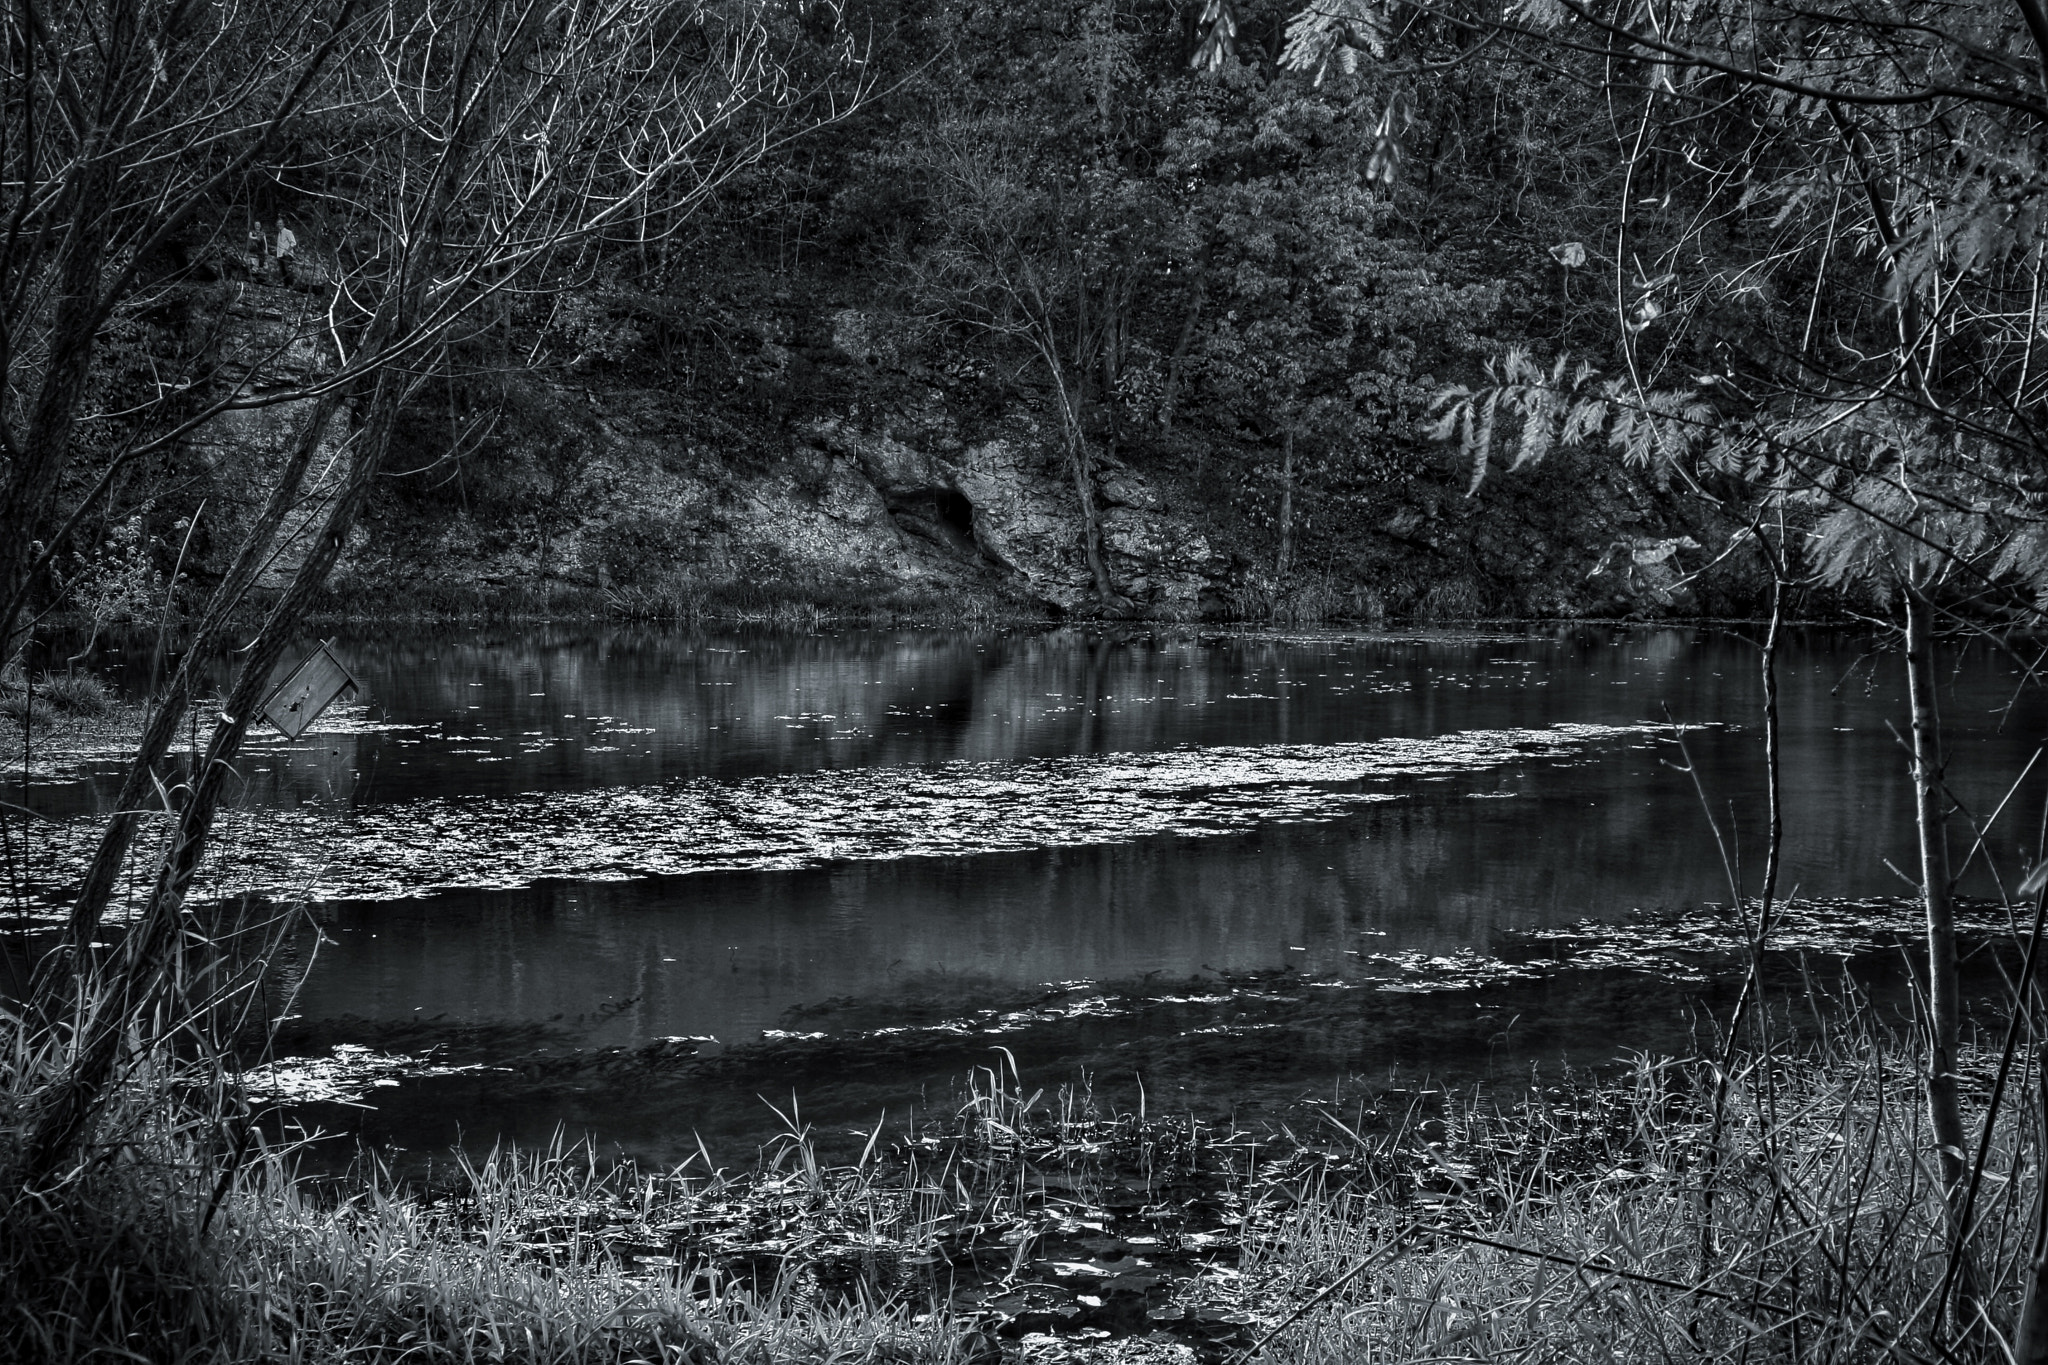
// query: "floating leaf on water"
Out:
[811,819]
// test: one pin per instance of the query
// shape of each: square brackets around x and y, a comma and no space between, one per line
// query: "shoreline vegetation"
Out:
[1767,1202]
[801,615]
[73,690]
[1768,1199]
[67,705]
[1777,1209]
[794,315]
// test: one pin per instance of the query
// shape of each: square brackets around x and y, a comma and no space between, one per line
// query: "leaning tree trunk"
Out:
[1944,1019]
[44,451]
[161,728]
[59,1118]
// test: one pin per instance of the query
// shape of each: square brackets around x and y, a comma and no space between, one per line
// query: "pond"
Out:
[661,886]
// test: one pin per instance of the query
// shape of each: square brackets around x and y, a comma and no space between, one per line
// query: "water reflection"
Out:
[731,955]
[888,830]
[565,710]
[948,810]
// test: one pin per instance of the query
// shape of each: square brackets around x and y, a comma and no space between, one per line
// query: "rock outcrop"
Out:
[1008,503]
[846,473]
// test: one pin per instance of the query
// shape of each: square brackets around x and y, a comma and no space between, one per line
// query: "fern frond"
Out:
[1446,425]
[1621,436]
[1446,397]
[1672,439]
[1536,437]
[1333,28]
[1483,445]
[2025,556]
[1586,416]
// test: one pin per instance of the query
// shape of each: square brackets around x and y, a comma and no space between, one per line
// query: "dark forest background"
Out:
[1119,308]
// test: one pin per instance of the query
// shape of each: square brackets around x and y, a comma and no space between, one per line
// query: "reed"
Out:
[183,1229]
[1622,1223]
[1600,1218]
[181,1242]
[80,694]
[1785,1208]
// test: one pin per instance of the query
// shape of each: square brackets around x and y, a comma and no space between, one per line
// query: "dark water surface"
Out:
[635,881]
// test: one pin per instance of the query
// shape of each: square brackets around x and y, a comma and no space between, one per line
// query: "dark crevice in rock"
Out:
[939,516]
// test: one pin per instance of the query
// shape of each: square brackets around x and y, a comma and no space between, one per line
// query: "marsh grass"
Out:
[183,1230]
[79,694]
[1308,600]
[1620,1217]
[70,695]
[1621,1222]
[17,705]
[183,1243]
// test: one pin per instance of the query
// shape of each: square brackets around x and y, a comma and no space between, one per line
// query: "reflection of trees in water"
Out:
[713,952]
[716,702]
[868,944]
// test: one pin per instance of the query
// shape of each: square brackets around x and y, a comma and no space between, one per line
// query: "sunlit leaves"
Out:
[1539,14]
[1559,408]
[1825,304]
[1219,36]
[2024,556]
[1993,211]
[1390,139]
[1333,32]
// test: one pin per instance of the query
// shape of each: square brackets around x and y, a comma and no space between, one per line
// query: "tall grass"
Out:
[1614,1224]
[1309,599]
[178,1232]
[177,1244]
[1611,1219]
[1787,1209]
[81,694]
[69,694]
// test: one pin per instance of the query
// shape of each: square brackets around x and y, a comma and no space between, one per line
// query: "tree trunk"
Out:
[1083,471]
[1944,1019]
[1091,520]
[1178,360]
[1286,559]
[61,1116]
[162,725]
[45,448]
[2030,1337]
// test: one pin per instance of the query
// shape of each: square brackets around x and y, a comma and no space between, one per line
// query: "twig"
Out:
[1395,1242]
[1602,1268]
[1393,1245]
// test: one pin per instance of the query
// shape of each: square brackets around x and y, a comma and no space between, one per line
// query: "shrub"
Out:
[79,694]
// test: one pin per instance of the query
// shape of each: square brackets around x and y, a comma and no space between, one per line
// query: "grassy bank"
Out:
[1650,1215]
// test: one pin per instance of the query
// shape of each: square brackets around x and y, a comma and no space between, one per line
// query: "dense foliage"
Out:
[1790,259]
[1825,283]
[1244,263]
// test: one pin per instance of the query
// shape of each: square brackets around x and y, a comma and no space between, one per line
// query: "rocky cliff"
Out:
[818,465]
